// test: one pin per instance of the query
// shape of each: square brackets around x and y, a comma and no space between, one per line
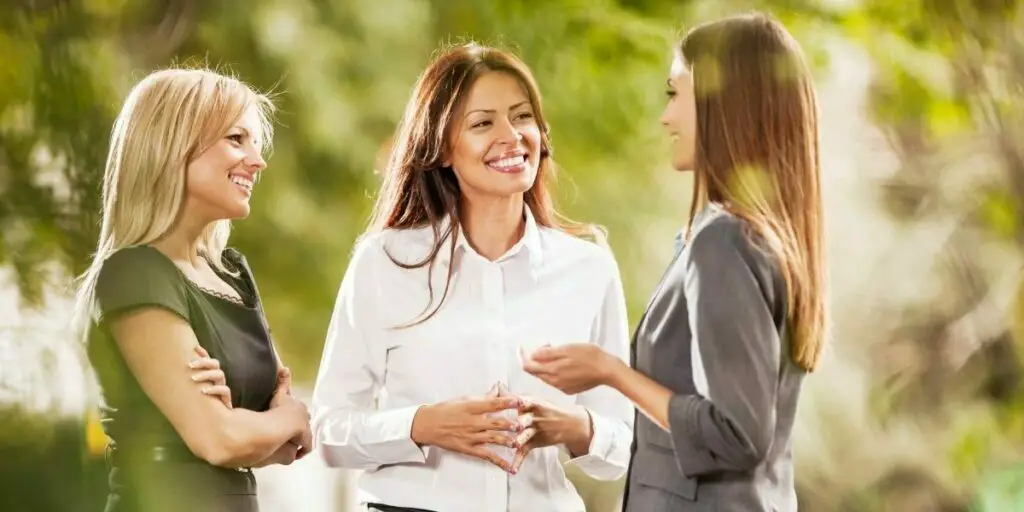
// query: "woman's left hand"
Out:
[545,424]
[283,388]
[572,368]
[303,443]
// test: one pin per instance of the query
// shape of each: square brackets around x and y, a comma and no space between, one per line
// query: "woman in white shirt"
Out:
[465,266]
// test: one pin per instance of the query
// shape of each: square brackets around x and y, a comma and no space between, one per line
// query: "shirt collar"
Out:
[530,242]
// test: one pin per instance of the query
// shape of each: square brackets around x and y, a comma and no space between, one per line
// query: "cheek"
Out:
[689,120]
[469,150]
[532,141]
[212,167]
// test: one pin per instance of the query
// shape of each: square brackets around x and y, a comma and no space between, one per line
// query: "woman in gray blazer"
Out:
[739,317]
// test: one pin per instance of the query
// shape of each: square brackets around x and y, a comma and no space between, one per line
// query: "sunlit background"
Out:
[919,405]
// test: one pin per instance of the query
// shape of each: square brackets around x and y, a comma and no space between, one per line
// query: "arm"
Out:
[604,454]
[730,425]
[351,432]
[157,346]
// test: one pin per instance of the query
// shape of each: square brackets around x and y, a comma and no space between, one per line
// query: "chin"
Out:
[682,165]
[238,212]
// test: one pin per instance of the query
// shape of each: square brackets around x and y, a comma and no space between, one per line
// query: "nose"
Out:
[509,134]
[666,116]
[254,161]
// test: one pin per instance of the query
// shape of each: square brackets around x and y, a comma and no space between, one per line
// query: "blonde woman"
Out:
[163,291]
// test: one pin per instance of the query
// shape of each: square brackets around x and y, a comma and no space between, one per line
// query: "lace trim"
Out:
[230,298]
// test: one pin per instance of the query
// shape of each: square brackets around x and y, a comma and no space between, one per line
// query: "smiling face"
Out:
[680,116]
[495,143]
[220,181]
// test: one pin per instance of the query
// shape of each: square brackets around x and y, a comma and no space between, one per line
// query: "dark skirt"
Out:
[179,486]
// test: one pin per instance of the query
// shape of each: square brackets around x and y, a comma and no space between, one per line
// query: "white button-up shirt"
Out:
[550,288]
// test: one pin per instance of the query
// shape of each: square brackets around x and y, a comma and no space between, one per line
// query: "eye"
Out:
[524,115]
[480,124]
[670,93]
[237,138]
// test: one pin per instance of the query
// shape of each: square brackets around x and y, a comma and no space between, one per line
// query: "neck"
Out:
[493,226]
[181,244]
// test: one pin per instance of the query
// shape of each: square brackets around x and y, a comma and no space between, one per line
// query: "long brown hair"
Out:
[419,190]
[757,154]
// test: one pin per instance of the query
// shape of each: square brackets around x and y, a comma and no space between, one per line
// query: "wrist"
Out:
[582,432]
[614,373]
[420,421]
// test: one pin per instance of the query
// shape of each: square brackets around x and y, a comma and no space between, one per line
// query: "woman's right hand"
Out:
[465,426]
[207,372]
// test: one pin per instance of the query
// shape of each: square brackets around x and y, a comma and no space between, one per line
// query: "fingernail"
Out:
[195,378]
[192,364]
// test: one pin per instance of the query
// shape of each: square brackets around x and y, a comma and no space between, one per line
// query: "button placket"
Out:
[492,298]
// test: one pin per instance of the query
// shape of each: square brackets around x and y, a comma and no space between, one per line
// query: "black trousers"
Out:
[379,507]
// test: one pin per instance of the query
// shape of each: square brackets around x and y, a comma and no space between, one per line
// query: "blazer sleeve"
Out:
[730,290]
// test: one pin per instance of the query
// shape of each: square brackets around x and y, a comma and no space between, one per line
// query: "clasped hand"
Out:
[467,425]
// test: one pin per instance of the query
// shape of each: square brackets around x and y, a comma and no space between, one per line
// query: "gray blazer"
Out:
[715,334]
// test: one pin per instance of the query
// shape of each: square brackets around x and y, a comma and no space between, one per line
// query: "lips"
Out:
[242,181]
[509,163]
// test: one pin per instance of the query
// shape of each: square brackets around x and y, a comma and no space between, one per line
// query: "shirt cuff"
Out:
[596,462]
[385,437]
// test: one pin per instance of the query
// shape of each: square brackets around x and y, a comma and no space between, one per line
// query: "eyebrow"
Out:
[492,111]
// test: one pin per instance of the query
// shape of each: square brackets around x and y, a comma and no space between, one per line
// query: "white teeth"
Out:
[238,180]
[509,162]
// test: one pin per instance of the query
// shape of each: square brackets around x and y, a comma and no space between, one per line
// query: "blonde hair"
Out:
[168,120]
[757,153]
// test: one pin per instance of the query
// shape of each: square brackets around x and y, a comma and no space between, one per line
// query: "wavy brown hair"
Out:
[757,154]
[419,190]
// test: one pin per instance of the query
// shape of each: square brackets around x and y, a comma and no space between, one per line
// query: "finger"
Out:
[221,392]
[198,349]
[500,424]
[524,421]
[494,404]
[205,363]
[550,379]
[524,437]
[498,438]
[485,454]
[284,378]
[520,457]
[211,376]
[537,368]
[547,353]
[284,374]
[526,403]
